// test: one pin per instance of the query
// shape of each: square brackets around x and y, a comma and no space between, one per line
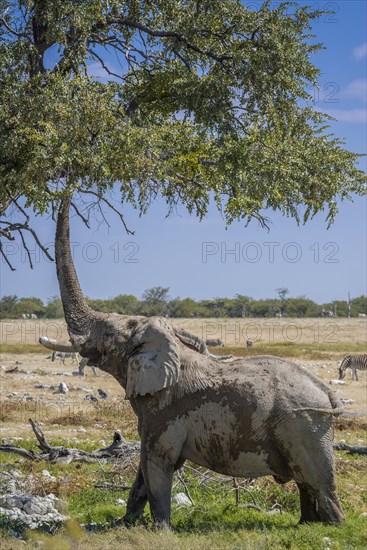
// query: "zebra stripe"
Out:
[353,362]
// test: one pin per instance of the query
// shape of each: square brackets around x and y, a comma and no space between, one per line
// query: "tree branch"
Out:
[352,449]
[168,34]
[5,257]
[110,205]
[83,218]
[12,31]
[104,66]
[26,248]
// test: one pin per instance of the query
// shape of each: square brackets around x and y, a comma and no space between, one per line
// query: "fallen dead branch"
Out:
[352,449]
[112,486]
[119,448]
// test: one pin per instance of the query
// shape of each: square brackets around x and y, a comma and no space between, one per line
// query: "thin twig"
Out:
[180,477]
[5,257]
[110,205]
[83,218]
[12,31]
[26,248]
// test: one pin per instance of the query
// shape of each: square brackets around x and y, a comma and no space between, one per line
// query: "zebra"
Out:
[353,362]
[63,355]
[214,342]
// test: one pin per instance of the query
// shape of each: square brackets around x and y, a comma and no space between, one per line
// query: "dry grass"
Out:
[234,332]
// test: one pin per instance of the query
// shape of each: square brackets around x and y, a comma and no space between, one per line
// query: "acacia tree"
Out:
[199,100]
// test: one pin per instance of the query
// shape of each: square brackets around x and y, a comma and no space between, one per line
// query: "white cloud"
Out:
[357,89]
[356,116]
[360,52]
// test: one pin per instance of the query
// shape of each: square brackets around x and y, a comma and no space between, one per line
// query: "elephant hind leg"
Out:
[137,500]
[158,475]
[308,504]
[319,505]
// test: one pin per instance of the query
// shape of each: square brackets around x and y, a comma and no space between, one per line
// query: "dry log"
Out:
[352,449]
[119,448]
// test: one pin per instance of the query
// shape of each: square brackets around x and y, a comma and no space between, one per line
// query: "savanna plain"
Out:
[220,517]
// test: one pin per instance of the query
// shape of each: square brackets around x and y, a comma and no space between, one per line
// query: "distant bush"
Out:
[155,301]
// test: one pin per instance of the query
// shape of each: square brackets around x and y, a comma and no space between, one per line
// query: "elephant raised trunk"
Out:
[78,315]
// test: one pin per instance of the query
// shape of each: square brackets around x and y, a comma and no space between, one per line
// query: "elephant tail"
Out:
[333,412]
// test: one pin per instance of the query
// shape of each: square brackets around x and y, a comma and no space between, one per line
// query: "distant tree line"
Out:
[156,301]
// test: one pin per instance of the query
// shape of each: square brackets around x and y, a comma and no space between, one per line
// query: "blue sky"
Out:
[203,259]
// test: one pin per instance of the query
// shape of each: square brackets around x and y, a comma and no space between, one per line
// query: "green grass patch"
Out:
[281,349]
[18,348]
[213,523]
[316,351]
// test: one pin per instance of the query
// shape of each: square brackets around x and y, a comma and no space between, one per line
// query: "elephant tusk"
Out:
[54,345]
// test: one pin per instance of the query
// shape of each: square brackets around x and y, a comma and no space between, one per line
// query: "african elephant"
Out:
[254,417]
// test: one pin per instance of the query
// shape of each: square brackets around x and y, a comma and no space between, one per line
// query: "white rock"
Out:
[46,473]
[81,429]
[34,512]
[182,500]
[63,388]
[10,502]
[347,401]
[120,502]
[337,382]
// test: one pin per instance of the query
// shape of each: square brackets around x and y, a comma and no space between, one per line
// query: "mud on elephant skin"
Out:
[253,417]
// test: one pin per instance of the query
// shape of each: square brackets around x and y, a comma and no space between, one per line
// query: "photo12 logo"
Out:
[269,252]
[90,252]
[247,332]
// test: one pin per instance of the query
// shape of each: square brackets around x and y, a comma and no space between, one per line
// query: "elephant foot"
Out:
[316,506]
[132,520]
[162,526]
[330,510]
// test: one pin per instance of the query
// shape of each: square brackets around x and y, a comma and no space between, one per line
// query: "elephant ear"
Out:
[155,363]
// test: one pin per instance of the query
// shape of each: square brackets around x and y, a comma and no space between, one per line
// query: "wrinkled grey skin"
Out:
[254,417]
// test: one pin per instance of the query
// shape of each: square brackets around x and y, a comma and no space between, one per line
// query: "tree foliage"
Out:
[197,100]
[12,307]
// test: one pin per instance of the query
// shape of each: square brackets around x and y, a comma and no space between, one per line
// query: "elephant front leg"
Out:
[137,499]
[158,481]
